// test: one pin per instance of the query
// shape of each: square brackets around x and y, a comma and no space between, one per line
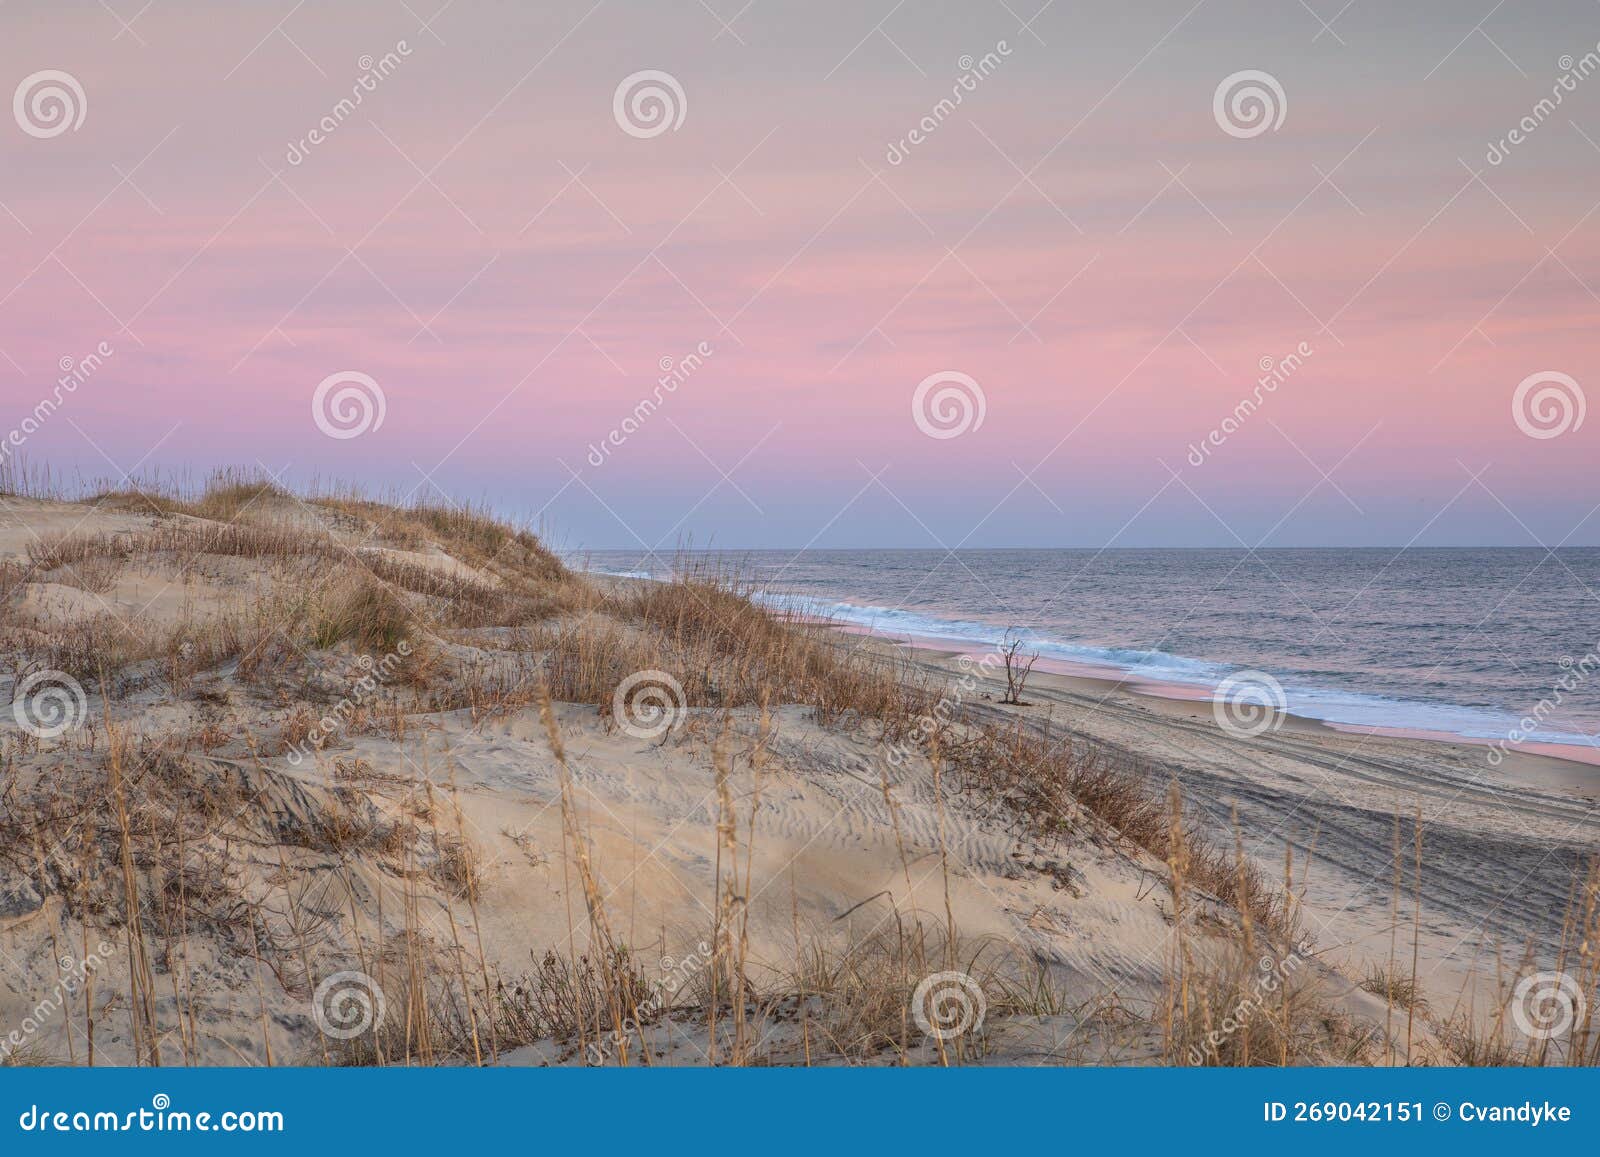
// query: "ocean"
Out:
[1466,642]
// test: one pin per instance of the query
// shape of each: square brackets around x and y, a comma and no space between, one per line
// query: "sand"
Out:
[841,845]
[1502,846]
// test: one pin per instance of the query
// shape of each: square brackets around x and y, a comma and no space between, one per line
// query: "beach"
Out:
[1502,845]
[806,546]
[280,761]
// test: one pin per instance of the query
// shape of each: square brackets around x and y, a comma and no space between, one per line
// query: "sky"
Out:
[1036,315]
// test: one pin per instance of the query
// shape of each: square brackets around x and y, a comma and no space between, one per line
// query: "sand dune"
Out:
[312,743]
[1502,845]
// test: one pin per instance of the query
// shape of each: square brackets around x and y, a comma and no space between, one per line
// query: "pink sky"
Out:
[1080,237]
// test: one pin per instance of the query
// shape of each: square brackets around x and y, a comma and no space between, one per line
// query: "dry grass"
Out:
[845,1001]
[347,825]
[856,1000]
[569,999]
[12,577]
[1396,988]
[326,587]
[66,551]
[740,654]
[724,652]
[1239,1014]
[472,536]
[1504,1039]
[153,843]
[1051,781]
[354,608]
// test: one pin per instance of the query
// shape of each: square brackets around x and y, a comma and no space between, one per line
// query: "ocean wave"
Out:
[1326,704]
[610,573]
[1331,705]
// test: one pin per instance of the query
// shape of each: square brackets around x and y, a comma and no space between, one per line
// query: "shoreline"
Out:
[1575,748]
[1585,756]
[1504,844]
[850,831]
[1569,769]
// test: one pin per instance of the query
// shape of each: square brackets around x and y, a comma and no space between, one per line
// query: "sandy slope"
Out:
[1502,846]
[835,844]
[827,864]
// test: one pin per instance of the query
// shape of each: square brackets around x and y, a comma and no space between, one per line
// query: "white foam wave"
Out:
[1327,704]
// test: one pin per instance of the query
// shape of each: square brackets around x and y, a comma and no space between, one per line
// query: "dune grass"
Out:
[148,846]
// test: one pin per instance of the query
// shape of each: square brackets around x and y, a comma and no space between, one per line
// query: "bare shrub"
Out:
[1018,667]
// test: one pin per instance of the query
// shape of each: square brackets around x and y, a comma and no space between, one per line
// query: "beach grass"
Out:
[175,851]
